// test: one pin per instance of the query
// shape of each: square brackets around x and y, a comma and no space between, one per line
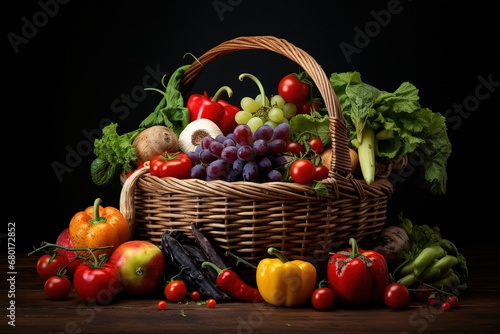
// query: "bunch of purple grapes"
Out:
[242,155]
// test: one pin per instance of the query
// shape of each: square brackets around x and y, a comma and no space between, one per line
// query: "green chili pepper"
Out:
[426,257]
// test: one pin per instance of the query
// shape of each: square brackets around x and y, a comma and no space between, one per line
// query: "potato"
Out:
[155,140]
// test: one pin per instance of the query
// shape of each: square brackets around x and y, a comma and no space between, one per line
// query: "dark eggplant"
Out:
[207,247]
[190,268]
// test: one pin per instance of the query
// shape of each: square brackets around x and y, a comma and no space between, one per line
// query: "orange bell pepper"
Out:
[99,226]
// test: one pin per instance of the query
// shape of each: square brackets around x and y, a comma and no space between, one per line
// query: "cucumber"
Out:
[366,154]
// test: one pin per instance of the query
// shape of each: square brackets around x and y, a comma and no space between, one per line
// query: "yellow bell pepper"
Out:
[285,283]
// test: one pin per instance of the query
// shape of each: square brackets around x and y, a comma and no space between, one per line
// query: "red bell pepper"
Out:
[228,122]
[357,276]
[201,106]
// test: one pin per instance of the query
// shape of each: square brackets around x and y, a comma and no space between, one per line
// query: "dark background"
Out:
[83,56]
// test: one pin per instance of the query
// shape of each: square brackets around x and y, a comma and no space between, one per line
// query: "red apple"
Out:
[64,240]
[141,265]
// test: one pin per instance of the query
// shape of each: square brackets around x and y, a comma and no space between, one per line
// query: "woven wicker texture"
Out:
[247,218]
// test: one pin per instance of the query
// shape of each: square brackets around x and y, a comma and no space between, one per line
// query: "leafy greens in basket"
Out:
[116,154]
[398,126]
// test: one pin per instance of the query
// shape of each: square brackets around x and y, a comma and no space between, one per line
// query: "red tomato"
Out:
[162,305]
[171,165]
[97,285]
[211,303]
[445,306]
[422,293]
[453,301]
[48,265]
[396,296]
[316,145]
[295,148]
[175,291]
[302,171]
[433,299]
[321,172]
[57,287]
[323,298]
[306,107]
[195,295]
[132,172]
[71,268]
[292,89]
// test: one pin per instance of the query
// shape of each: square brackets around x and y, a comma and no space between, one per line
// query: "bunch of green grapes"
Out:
[259,111]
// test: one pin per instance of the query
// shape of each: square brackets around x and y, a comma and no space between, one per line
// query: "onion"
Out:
[195,131]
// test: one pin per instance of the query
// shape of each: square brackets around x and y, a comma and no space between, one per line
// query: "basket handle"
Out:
[127,197]
[341,160]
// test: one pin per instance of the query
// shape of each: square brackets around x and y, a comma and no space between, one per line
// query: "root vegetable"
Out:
[391,241]
[155,140]
[326,159]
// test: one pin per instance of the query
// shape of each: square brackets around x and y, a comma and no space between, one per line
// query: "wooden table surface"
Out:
[478,312]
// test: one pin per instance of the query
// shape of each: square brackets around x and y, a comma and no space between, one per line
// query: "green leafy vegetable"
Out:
[401,125]
[315,123]
[115,153]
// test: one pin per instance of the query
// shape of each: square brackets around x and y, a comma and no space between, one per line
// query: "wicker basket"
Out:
[247,218]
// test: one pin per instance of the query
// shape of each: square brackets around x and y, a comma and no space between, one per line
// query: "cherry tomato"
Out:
[132,172]
[49,264]
[292,89]
[57,287]
[71,268]
[195,295]
[433,299]
[97,285]
[302,171]
[323,298]
[162,305]
[423,293]
[175,291]
[316,145]
[295,148]
[445,306]
[211,303]
[320,172]
[307,106]
[396,296]
[453,301]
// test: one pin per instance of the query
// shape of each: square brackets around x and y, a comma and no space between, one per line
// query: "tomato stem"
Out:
[177,276]
[48,244]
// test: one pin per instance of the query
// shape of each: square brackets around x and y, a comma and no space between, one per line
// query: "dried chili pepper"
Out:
[229,282]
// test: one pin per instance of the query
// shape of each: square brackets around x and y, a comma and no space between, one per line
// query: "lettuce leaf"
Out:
[412,129]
